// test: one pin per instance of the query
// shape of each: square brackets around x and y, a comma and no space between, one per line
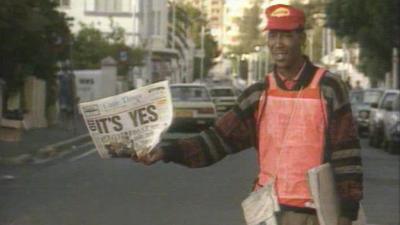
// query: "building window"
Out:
[108,5]
[64,3]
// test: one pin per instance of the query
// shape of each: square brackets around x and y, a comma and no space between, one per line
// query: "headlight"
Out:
[379,116]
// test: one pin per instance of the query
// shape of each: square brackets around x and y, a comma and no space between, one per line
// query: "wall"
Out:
[85,11]
[96,84]
[35,103]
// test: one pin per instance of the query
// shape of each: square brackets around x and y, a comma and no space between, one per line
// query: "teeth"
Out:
[280,56]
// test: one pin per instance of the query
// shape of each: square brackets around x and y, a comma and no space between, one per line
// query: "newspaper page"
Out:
[323,190]
[129,122]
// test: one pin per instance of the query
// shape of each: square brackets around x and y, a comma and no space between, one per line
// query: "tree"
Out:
[34,37]
[250,35]
[373,25]
[195,20]
[126,57]
[90,46]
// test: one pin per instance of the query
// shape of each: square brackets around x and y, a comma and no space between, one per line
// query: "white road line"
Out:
[81,156]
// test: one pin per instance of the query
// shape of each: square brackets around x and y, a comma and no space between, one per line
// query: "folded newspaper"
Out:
[130,122]
[323,191]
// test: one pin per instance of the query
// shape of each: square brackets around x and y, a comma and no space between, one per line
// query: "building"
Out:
[230,27]
[101,14]
[164,36]
[214,13]
[147,24]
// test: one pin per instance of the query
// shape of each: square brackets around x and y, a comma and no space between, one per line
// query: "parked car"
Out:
[193,107]
[361,101]
[376,132]
[224,98]
[391,123]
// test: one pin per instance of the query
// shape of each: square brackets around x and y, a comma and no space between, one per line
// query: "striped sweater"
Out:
[236,131]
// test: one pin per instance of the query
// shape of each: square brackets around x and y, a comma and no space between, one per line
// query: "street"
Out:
[82,189]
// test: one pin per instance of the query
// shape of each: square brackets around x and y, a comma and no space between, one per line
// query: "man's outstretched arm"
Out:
[233,132]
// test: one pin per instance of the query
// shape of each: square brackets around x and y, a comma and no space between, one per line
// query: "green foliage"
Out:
[250,36]
[34,36]
[371,24]
[195,21]
[126,57]
[90,46]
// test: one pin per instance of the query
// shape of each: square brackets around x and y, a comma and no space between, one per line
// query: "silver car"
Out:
[361,101]
[376,125]
[224,98]
[391,123]
[193,107]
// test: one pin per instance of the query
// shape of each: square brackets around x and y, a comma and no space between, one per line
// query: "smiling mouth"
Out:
[280,56]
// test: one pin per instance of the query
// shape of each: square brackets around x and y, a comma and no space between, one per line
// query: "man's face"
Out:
[285,47]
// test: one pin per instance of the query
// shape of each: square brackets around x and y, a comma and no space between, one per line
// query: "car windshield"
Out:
[196,94]
[356,97]
[372,96]
[222,92]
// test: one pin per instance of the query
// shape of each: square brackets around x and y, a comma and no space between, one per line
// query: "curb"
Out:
[46,151]
[53,149]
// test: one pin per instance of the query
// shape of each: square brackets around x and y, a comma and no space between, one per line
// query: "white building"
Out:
[101,14]
[213,11]
[170,51]
[147,24]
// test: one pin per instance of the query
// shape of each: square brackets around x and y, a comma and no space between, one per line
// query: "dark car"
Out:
[361,101]
[391,123]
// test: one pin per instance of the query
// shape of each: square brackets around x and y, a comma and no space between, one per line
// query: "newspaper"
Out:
[323,191]
[131,122]
[261,205]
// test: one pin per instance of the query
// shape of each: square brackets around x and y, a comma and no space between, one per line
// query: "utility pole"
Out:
[395,68]
[202,54]
[173,23]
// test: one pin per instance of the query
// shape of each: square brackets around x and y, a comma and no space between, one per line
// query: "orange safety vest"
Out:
[291,138]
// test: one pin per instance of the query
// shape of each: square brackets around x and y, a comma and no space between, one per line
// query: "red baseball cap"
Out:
[284,17]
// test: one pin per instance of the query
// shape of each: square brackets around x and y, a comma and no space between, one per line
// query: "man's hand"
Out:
[344,221]
[153,156]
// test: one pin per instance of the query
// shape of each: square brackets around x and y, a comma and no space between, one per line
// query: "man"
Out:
[297,118]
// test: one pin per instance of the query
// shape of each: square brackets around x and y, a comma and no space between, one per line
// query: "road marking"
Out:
[81,156]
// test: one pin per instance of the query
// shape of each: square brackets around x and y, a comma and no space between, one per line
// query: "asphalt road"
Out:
[82,189]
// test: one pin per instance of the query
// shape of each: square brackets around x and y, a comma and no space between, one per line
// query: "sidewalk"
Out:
[34,142]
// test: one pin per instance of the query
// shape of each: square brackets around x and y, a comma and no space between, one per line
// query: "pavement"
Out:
[41,143]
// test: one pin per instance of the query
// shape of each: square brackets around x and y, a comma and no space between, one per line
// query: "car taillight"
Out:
[206,110]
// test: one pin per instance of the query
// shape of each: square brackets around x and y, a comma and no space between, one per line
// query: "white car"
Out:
[376,124]
[193,107]
[224,98]
[391,123]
